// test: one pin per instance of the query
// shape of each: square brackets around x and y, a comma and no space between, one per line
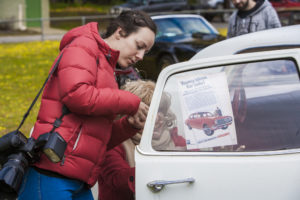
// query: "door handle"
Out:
[157,186]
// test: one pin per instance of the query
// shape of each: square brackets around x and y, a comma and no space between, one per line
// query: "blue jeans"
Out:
[37,186]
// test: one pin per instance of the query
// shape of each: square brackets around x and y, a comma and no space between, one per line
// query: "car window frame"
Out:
[145,146]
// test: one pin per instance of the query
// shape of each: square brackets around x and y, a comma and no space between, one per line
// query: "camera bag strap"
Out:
[58,121]
[39,93]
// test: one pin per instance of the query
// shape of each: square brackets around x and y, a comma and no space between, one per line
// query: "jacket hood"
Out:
[263,6]
[90,30]
[85,30]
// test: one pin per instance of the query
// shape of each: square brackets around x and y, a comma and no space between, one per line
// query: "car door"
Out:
[256,157]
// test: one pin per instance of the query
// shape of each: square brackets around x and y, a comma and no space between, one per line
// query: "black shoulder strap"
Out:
[39,93]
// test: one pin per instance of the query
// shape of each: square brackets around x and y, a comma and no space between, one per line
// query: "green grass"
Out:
[72,10]
[23,69]
[88,7]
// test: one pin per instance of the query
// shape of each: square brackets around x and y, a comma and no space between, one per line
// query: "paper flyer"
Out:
[207,112]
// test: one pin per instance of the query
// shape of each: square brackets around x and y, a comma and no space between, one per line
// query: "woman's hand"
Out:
[139,118]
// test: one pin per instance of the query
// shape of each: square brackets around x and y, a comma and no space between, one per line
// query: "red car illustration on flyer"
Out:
[208,122]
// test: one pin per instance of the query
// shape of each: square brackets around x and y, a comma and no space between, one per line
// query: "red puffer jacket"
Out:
[85,83]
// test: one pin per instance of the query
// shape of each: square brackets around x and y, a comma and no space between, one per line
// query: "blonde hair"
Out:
[141,88]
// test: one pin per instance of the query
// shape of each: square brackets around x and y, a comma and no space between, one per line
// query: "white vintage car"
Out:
[253,78]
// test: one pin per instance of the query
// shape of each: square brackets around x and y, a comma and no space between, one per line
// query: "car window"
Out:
[170,27]
[243,107]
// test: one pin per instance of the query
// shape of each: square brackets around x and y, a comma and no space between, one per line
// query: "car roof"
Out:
[175,15]
[277,38]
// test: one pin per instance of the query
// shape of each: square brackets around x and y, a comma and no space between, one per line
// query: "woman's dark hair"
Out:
[130,21]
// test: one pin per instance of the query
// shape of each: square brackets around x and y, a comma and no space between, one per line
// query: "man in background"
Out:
[252,16]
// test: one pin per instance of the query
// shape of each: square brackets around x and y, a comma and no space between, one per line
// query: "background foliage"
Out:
[90,8]
[74,6]
[82,2]
[23,69]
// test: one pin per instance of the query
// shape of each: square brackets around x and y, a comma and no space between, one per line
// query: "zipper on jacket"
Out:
[108,56]
[77,140]
[75,145]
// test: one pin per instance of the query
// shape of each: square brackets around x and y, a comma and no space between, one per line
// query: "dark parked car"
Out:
[151,6]
[208,122]
[179,37]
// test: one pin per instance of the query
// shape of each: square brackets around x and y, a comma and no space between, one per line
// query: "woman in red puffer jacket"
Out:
[85,83]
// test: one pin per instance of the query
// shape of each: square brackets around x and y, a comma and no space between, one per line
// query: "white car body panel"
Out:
[220,177]
[258,175]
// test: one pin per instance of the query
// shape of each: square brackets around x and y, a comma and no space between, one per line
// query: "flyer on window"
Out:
[207,112]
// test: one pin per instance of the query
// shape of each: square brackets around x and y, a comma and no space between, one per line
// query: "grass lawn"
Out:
[23,69]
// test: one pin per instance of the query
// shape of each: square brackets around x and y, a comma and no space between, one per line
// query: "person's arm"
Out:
[230,26]
[272,19]
[115,171]
[121,130]
[77,75]
[128,126]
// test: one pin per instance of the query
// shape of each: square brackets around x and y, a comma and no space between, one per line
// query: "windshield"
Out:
[170,27]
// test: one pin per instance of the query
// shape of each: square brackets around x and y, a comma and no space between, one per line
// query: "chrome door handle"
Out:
[157,186]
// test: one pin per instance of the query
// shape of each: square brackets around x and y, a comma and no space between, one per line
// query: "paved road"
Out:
[49,34]
[16,39]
